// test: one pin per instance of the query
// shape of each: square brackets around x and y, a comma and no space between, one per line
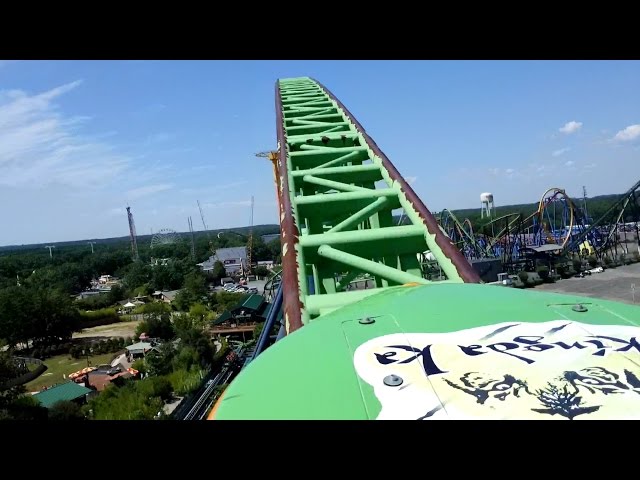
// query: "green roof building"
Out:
[251,308]
[66,391]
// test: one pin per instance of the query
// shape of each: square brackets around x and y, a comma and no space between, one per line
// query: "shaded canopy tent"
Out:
[129,305]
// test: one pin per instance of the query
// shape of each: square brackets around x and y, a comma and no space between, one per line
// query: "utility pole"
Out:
[50,247]
[92,244]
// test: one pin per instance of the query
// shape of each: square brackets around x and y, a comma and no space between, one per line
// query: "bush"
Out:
[185,382]
[139,365]
[561,270]
[607,261]
[543,272]
[593,261]
[65,410]
[636,256]
[577,265]
[523,276]
[104,316]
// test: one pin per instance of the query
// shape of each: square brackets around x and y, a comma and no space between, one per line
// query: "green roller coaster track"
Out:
[342,193]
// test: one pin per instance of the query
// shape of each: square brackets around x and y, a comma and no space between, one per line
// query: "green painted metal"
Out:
[317,372]
[343,199]
[364,265]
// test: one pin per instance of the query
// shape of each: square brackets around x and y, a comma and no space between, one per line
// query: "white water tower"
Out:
[486,209]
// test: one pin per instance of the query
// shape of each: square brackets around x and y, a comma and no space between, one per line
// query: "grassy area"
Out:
[64,365]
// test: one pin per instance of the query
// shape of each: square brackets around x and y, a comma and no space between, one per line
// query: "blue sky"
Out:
[79,140]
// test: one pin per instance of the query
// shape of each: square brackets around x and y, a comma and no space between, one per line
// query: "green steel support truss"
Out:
[342,198]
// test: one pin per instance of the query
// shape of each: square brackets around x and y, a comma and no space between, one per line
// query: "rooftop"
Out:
[64,391]
[144,346]
[231,253]
[252,302]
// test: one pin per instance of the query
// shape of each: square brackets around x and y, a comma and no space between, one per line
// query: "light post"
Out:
[86,352]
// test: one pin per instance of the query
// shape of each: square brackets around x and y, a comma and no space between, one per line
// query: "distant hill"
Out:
[596,206]
[258,230]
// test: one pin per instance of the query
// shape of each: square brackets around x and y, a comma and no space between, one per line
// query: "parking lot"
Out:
[621,284]
[258,284]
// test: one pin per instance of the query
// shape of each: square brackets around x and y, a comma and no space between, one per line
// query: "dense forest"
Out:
[39,310]
[37,289]
[258,230]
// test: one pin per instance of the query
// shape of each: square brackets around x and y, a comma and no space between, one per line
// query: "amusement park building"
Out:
[234,260]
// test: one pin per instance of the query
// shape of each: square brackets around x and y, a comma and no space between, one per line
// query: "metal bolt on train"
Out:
[428,340]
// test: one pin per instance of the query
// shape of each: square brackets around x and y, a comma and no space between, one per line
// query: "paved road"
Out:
[612,284]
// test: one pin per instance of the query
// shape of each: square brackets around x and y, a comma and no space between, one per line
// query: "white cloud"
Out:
[411,180]
[40,146]
[570,127]
[509,171]
[569,163]
[147,190]
[628,134]
[561,151]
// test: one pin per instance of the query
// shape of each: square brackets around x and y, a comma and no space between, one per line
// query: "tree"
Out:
[157,321]
[200,315]
[261,271]
[136,274]
[275,249]
[182,323]
[116,294]
[65,410]
[195,283]
[14,404]
[158,361]
[219,271]
[55,316]
[183,300]
[15,315]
